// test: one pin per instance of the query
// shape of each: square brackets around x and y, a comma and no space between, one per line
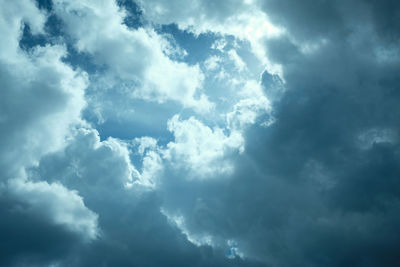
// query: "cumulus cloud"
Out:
[252,104]
[305,192]
[201,149]
[58,204]
[13,15]
[30,234]
[236,17]
[88,164]
[133,229]
[278,146]
[136,57]
[41,99]
[242,19]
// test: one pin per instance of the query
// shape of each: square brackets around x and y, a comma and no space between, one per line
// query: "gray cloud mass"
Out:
[143,160]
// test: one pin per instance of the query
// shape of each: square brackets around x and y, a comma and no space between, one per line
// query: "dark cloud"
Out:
[28,238]
[133,231]
[332,19]
[139,235]
[319,187]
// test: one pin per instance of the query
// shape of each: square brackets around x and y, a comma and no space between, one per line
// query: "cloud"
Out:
[135,57]
[40,100]
[252,104]
[41,96]
[239,64]
[13,15]
[304,192]
[201,149]
[212,62]
[90,165]
[242,19]
[133,230]
[30,235]
[202,16]
[289,166]
[58,204]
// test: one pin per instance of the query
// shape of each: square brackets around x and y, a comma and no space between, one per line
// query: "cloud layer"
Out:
[199,133]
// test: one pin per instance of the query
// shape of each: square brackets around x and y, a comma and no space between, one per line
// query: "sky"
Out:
[237,133]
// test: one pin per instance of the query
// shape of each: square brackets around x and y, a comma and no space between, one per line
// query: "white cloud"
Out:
[138,57]
[200,149]
[237,60]
[41,96]
[58,204]
[152,163]
[194,238]
[242,19]
[12,16]
[252,104]
[212,62]
[219,44]
[40,101]
[89,165]
[236,17]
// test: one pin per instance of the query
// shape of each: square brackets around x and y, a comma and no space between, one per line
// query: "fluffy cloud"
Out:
[133,230]
[236,17]
[41,99]
[57,204]
[200,149]
[134,57]
[319,186]
[242,19]
[38,224]
[298,168]
[13,15]
[252,104]
[90,166]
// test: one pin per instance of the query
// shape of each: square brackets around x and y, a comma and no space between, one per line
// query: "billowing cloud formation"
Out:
[241,18]
[310,190]
[276,145]
[41,98]
[137,57]
[200,148]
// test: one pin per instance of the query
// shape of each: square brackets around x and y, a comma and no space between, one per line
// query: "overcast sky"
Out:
[204,133]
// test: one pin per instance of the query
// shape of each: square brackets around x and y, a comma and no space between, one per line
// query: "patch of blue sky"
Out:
[133,18]
[198,47]
[29,40]
[45,4]
[54,34]
[140,118]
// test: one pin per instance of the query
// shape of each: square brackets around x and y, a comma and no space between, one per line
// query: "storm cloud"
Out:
[197,133]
